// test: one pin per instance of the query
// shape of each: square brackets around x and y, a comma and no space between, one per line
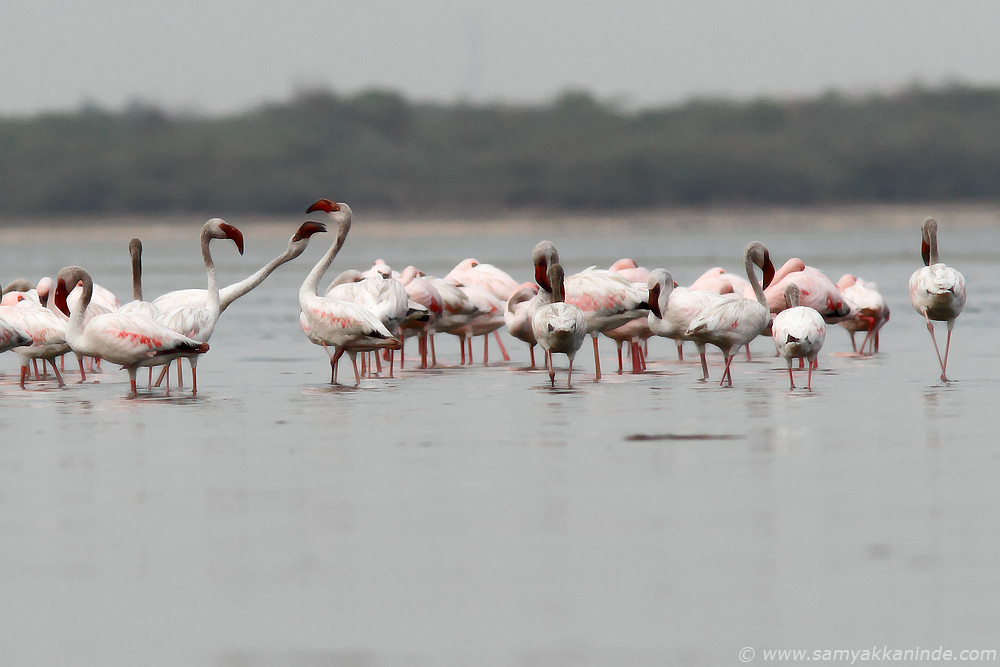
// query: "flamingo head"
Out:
[325,205]
[307,229]
[543,256]
[556,276]
[69,278]
[217,228]
[928,234]
[523,293]
[659,282]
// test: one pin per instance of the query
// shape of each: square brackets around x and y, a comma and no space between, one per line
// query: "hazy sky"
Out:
[225,55]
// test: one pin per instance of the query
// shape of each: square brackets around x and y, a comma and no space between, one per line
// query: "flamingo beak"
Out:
[324,205]
[768,272]
[307,229]
[654,301]
[925,251]
[60,297]
[234,234]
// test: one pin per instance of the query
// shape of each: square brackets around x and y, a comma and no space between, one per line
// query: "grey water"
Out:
[478,515]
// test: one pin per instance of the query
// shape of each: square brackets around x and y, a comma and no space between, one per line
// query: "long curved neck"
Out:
[309,286]
[77,316]
[213,284]
[232,292]
[758,291]
[932,253]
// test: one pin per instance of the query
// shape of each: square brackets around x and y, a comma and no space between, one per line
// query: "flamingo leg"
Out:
[619,343]
[809,378]
[486,350]
[930,328]
[163,374]
[434,359]
[597,361]
[727,373]
[704,362]
[531,348]
[131,381]
[503,350]
[354,362]
[680,350]
[83,376]
[549,365]
[569,376]
[24,372]
[194,379]
[180,378]
[947,346]
[56,370]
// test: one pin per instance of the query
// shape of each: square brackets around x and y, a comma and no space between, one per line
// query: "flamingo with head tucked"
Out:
[869,314]
[735,322]
[937,291]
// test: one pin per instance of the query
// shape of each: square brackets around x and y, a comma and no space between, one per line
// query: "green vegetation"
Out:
[381,152]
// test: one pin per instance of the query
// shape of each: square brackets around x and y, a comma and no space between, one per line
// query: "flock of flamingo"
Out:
[375,310]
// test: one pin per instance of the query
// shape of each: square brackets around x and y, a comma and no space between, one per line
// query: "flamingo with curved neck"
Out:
[732,323]
[129,340]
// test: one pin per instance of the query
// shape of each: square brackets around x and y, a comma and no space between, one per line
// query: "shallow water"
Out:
[477,515]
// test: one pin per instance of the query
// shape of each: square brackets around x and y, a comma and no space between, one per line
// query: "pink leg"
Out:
[503,350]
[619,343]
[597,361]
[532,350]
[680,350]
[809,378]
[486,350]
[791,380]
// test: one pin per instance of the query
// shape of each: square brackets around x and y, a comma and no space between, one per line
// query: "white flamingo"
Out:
[798,333]
[937,291]
[558,326]
[732,323]
[344,325]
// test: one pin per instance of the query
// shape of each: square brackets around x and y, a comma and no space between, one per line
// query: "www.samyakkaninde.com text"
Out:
[874,654]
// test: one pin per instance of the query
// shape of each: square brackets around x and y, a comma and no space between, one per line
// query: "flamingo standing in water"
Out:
[137,305]
[816,291]
[344,325]
[608,300]
[799,333]
[497,282]
[558,326]
[197,321]
[129,340]
[46,332]
[732,323]
[11,337]
[937,291]
[673,308]
[870,312]
[517,316]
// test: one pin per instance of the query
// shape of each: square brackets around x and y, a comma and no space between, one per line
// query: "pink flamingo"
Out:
[937,291]
[344,325]
[129,340]
[517,317]
[45,330]
[815,291]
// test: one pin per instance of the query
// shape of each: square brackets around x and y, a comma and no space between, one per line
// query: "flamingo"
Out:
[197,321]
[137,305]
[129,340]
[346,326]
[718,280]
[798,332]
[46,332]
[870,312]
[559,326]
[628,268]
[12,337]
[735,322]
[608,300]
[815,290]
[422,292]
[937,291]
[496,282]
[457,312]
[673,308]
[199,297]
[21,287]
[517,316]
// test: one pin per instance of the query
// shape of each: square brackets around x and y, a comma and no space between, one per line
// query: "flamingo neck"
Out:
[229,294]
[758,291]
[309,286]
[213,283]
[78,315]
[136,275]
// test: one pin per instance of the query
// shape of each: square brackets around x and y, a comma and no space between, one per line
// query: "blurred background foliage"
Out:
[381,152]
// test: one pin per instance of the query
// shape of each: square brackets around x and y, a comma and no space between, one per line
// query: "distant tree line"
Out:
[381,152]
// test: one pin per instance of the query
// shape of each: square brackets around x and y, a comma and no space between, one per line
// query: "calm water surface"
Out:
[478,516]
